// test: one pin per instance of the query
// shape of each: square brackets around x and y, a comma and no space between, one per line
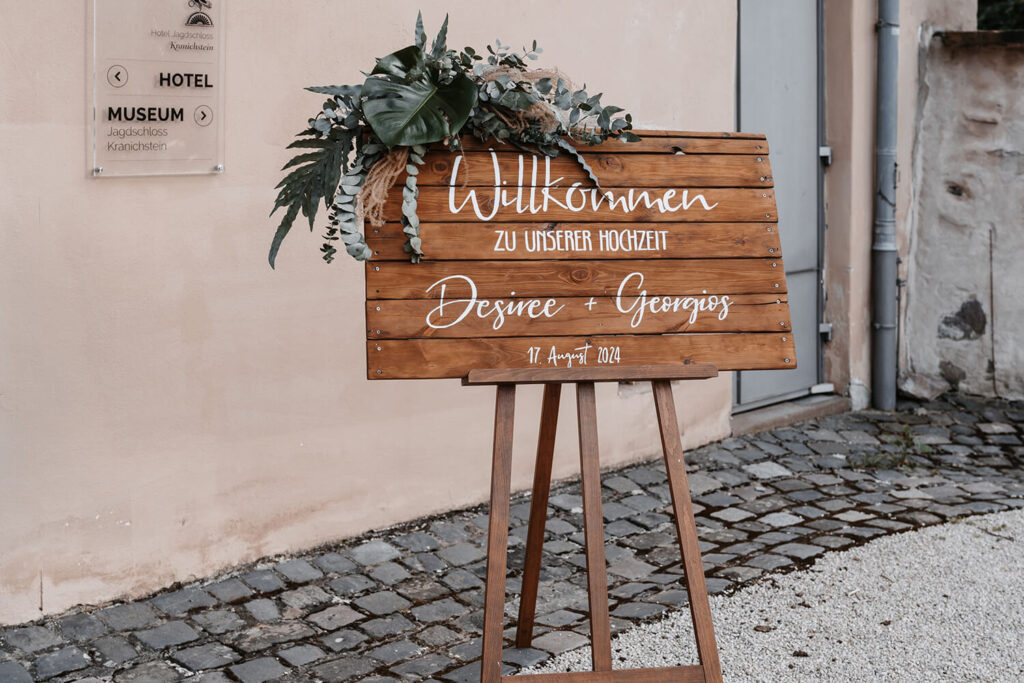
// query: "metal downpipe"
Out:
[883,249]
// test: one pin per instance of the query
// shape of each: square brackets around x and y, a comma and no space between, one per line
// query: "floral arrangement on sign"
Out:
[366,135]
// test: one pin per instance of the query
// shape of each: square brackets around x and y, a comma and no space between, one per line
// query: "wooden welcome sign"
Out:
[672,269]
[674,259]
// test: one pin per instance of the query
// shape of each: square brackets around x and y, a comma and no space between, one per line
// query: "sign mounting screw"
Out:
[98,170]
[219,168]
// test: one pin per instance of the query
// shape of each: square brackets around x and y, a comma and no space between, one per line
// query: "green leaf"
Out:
[301,159]
[440,45]
[286,224]
[346,90]
[579,159]
[416,112]
[627,136]
[420,34]
[404,64]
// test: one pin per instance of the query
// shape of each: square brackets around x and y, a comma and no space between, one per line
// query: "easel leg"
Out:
[538,513]
[700,609]
[497,533]
[593,526]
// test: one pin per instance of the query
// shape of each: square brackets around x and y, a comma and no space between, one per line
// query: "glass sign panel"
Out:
[158,87]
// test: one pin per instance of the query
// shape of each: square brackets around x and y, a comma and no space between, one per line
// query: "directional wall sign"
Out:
[158,86]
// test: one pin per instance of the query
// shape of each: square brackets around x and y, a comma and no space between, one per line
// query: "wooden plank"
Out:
[497,533]
[482,169]
[706,134]
[538,511]
[542,241]
[613,204]
[674,674]
[552,377]
[439,358]
[593,528]
[690,142]
[408,318]
[393,280]
[700,610]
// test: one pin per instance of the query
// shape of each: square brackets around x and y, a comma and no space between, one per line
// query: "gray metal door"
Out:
[778,94]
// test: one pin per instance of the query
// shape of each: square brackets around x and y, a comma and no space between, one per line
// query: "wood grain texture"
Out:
[553,376]
[700,609]
[440,358]
[489,241]
[613,170]
[393,280]
[675,674]
[406,318]
[732,204]
[593,528]
[538,513]
[536,273]
[497,533]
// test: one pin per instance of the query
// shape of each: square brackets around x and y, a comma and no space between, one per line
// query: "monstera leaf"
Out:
[406,105]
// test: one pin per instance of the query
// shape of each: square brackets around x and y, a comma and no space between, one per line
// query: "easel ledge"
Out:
[709,670]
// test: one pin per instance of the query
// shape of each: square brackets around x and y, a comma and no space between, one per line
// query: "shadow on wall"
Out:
[962,323]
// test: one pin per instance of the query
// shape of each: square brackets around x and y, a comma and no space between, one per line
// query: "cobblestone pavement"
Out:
[406,603]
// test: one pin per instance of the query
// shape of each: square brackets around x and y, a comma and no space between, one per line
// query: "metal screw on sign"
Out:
[771,250]
[763,194]
[378,348]
[98,170]
[785,339]
[768,215]
[783,323]
[784,359]
[768,228]
[219,168]
[775,265]
[376,267]
[776,285]
[759,158]
[378,331]
[381,372]
[378,308]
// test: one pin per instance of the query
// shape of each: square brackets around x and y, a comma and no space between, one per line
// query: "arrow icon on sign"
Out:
[203,115]
[117,75]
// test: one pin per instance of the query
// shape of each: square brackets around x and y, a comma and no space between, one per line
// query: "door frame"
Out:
[819,386]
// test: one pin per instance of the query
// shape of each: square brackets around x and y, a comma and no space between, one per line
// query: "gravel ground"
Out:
[945,603]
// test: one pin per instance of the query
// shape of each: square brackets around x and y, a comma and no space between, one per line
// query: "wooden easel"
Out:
[709,668]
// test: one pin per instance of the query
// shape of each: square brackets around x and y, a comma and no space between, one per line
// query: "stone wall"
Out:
[963,321]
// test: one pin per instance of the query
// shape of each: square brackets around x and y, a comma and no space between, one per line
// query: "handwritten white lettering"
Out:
[642,303]
[574,198]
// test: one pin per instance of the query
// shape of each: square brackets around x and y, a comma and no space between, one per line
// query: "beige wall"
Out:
[168,404]
[849,183]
